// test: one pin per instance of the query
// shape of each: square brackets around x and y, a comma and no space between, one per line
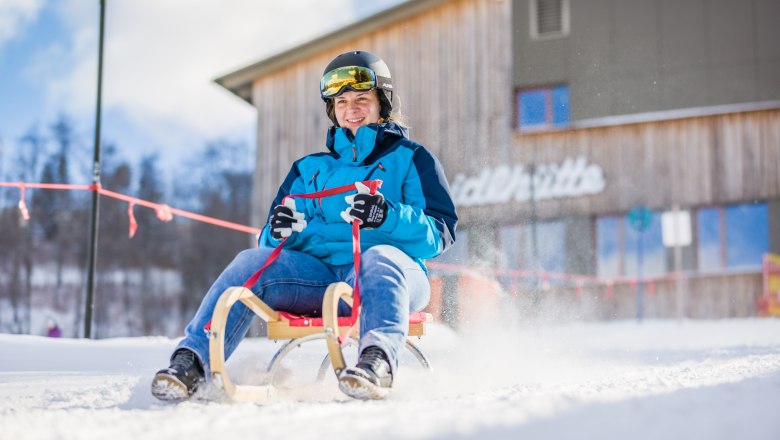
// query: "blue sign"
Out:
[640,218]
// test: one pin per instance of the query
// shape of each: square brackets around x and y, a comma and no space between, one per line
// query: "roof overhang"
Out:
[240,81]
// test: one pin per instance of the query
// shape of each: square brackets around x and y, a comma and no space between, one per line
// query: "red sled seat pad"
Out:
[344,321]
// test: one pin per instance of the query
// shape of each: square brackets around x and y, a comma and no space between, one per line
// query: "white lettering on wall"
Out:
[572,178]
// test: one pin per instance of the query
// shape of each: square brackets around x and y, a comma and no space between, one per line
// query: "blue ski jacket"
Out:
[421,218]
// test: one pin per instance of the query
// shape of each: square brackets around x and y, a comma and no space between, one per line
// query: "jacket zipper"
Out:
[373,170]
[319,201]
[314,180]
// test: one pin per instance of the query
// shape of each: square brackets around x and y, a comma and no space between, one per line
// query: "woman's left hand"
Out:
[369,209]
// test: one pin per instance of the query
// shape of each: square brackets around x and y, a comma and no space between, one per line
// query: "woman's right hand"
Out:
[285,219]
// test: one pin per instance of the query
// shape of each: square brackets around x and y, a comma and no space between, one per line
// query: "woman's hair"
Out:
[386,111]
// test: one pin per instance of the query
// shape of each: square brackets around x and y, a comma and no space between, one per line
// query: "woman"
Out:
[412,219]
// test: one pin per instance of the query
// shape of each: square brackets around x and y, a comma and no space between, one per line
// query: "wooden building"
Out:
[567,130]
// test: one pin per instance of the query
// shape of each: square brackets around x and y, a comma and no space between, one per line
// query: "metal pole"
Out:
[640,285]
[93,228]
[534,220]
[678,266]
[534,238]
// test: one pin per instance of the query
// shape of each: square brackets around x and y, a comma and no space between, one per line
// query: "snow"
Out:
[606,380]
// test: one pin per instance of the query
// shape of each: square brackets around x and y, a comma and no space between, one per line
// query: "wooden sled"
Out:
[296,330]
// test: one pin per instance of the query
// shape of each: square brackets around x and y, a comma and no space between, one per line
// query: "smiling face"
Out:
[356,109]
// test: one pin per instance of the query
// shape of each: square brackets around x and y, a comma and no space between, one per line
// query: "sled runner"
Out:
[296,330]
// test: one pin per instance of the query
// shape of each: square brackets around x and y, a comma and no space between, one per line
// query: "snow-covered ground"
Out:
[599,380]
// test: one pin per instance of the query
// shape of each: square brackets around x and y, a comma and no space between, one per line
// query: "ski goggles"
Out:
[355,78]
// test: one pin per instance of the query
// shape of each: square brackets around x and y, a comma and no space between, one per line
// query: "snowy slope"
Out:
[617,380]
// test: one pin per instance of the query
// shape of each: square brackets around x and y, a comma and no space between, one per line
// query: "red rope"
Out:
[164,212]
[356,290]
[373,185]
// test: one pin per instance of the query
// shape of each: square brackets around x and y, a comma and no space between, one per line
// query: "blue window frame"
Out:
[732,236]
[710,251]
[550,246]
[619,245]
[516,251]
[543,107]
[747,234]
[608,246]
[650,243]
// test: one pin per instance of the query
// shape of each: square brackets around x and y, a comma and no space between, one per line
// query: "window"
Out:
[621,248]
[609,246]
[747,234]
[509,239]
[459,253]
[550,240]
[732,236]
[510,248]
[646,247]
[549,19]
[710,228]
[516,251]
[544,107]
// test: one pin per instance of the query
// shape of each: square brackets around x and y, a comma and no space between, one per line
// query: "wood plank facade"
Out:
[689,162]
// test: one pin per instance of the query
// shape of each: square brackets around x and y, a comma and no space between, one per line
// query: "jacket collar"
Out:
[355,149]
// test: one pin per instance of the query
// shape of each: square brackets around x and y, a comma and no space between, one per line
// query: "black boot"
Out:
[181,379]
[371,378]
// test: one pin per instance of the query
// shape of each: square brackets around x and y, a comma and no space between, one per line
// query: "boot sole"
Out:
[169,388]
[361,388]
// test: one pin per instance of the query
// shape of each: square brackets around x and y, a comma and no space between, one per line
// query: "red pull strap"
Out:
[354,318]
[373,185]
[250,282]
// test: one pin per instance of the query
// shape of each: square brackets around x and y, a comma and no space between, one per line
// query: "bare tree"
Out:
[16,236]
[221,188]
[33,145]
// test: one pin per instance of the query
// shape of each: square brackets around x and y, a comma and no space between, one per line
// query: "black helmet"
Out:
[380,80]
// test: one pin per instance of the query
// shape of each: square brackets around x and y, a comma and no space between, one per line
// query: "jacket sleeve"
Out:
[422,224]
[292,184]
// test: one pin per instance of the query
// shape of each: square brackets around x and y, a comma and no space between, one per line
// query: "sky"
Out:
[160,61]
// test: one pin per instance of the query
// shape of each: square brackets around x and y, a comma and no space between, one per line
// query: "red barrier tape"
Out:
[545,277]
[23,206]
[164,212]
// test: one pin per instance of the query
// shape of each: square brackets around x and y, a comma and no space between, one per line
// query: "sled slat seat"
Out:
[290,326]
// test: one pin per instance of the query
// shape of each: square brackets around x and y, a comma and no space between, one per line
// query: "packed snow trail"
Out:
[649,380]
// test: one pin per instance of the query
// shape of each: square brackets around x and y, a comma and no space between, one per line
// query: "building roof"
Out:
[239,82]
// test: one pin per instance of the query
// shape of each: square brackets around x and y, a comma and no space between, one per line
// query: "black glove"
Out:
[285,219]
[370,209]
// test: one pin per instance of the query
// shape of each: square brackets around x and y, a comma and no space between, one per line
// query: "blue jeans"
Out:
[391,285]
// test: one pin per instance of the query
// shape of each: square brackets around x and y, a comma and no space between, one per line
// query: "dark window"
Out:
[549,18]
